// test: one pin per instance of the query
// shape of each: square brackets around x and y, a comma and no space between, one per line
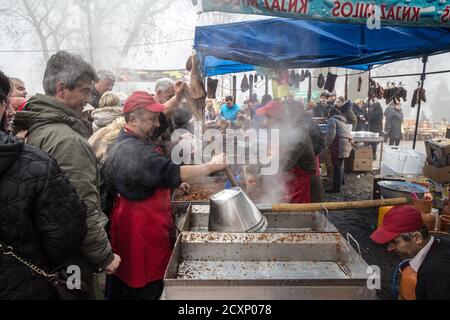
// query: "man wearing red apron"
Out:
[141,221]
[297,159]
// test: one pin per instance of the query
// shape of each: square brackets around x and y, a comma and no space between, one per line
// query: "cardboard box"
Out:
[358,165]
[361,159]
[438,152]
[363,165]
[362,153]
[441,175]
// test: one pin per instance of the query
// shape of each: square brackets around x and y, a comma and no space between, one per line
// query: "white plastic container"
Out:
[403,160]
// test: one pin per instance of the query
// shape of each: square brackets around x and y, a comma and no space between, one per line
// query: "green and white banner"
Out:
[419,13]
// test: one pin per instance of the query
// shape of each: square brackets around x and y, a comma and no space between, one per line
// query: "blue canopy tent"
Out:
[292,43]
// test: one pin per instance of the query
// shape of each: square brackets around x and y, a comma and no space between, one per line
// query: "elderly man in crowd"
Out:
[54,124]
[141,222]
[105,83]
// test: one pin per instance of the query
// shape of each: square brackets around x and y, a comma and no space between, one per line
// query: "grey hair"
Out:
[164,84]
[16,79]
[68,68]
[106,75]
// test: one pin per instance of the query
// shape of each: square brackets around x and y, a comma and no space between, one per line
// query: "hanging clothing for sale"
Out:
[321,81]
[330,82]
[211,85]
[417,96]
[297,80]
[375,90]
[395,93]
[292,78]
[244,84]
[360,80]
[302,76]
[256,77]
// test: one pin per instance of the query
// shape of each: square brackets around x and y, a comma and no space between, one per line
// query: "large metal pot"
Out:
[233,211]
[401,189]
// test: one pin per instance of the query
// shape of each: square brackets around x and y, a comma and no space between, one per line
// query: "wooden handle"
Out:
[302,207]
[230,177]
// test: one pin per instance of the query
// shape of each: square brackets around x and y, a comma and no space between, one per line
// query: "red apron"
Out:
[298,186]
[141,234]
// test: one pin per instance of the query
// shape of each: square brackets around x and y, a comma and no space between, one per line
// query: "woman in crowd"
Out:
[42,220]
[339,140]
[394,117]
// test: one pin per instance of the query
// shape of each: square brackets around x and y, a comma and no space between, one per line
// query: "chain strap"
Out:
[8,250]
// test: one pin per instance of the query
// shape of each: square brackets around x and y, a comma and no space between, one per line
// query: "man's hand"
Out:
[185,187]
[22,135]
[112,267]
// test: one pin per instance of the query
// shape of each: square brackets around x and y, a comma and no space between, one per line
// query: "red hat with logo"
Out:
[271,109]
[142,100]
[398,220]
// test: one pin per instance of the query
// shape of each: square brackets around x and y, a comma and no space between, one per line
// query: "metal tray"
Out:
[197,219]
[265,266]
[179,208]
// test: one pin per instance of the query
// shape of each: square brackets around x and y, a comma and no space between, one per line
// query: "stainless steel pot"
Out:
[401,189]
[233,211]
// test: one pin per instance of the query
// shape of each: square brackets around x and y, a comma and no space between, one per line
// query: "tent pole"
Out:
[422,81]
[267,84]
[346,85]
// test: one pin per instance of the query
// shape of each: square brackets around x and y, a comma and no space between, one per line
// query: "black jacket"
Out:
[321,110]
[433,278]
[375,117]
[135,169]
[394,120]
[41,217]
[361,118]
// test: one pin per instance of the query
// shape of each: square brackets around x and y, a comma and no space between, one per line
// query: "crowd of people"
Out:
[85,178]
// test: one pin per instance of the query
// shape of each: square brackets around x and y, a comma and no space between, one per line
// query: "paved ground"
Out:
[360,224]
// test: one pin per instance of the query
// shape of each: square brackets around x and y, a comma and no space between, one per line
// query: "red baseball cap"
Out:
[271,109]
[142,100]
[398,220]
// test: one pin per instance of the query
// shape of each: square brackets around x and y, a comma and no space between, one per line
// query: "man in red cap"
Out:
[297,159]
[141,179]
[406,235]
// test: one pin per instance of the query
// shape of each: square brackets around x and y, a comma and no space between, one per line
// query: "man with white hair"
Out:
[106,80]
[164,90]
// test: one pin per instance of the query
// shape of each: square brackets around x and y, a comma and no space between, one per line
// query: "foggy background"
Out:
[158,34]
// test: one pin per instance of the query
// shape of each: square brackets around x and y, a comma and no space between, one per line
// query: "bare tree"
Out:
[47,18]
[84,25]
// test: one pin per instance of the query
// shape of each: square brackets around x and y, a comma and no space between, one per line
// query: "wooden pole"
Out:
[331,206]
[422,81]
[230,177]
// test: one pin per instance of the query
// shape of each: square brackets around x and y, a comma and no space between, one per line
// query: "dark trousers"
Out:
[338,174]
[394,142]
[116,289]
[374,149]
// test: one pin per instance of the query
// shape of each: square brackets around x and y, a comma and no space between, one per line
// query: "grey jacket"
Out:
[337,126]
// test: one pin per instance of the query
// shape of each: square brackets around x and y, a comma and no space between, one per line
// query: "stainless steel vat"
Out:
[265,266]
